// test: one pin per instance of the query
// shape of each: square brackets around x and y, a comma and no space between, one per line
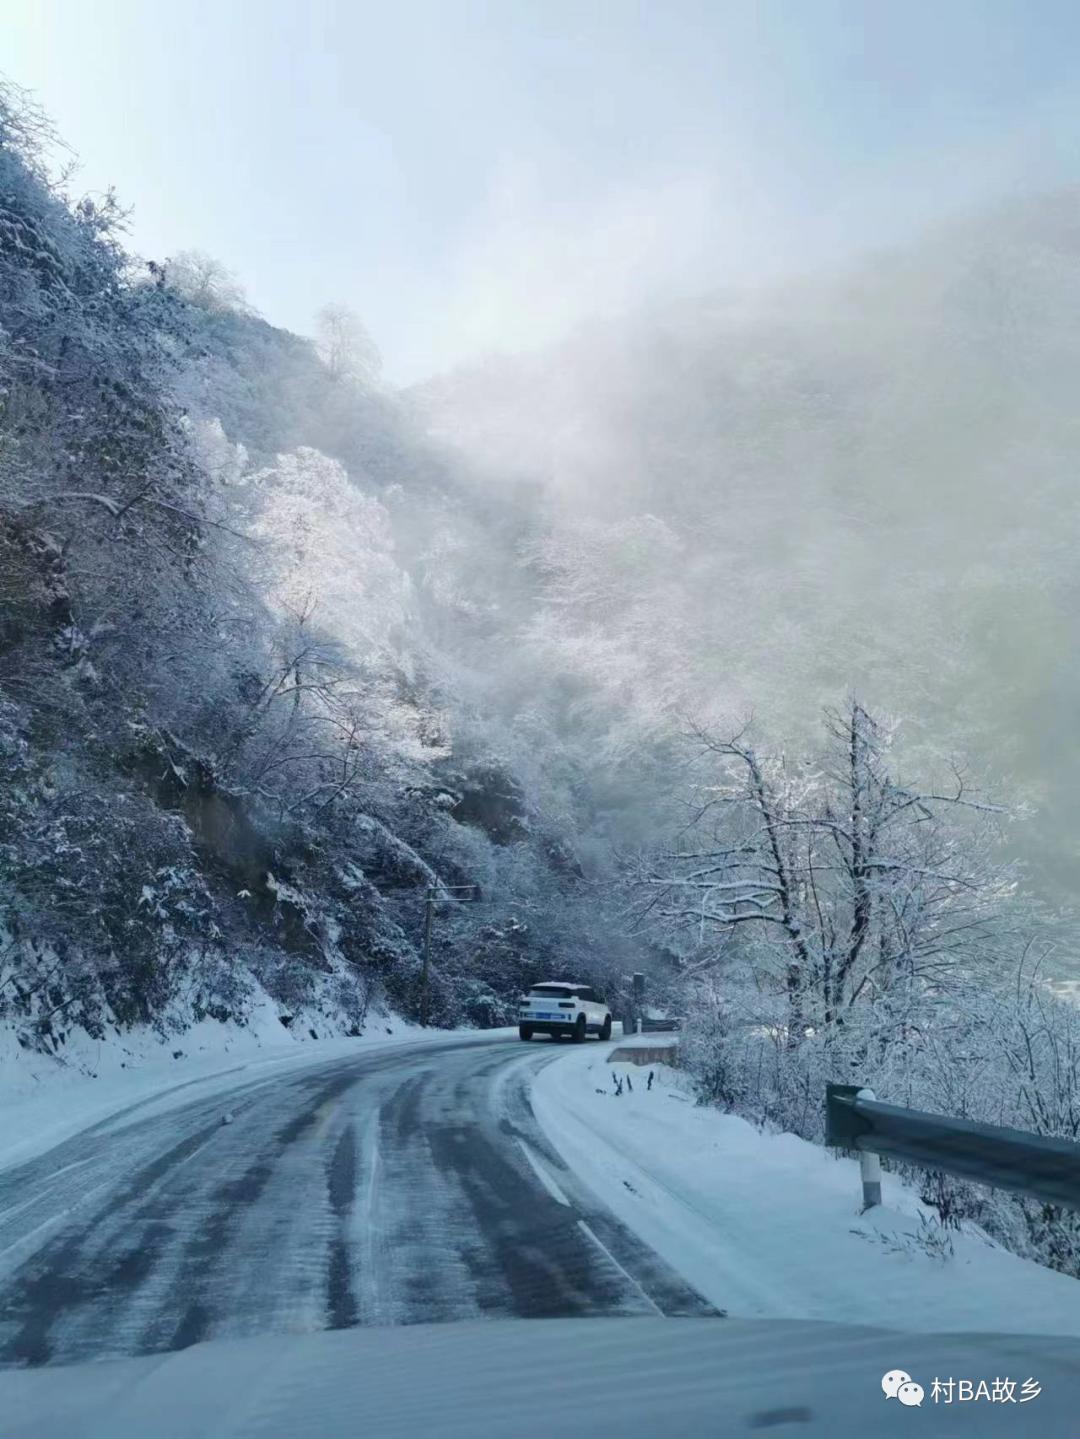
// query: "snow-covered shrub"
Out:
[998,1053]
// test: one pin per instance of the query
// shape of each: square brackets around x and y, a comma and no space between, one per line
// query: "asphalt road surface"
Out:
[400,1186]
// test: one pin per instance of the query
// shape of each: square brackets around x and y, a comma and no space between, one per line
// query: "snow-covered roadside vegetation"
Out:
[767,1225]
[836,923]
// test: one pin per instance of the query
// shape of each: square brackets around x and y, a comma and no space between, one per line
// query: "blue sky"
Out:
[473,176]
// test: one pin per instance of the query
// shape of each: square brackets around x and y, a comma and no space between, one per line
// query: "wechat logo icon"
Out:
[898,1384]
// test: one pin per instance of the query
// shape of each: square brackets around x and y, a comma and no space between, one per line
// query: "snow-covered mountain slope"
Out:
[237,748]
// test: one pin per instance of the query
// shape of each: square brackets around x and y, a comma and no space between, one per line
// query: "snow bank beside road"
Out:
[768,1226]
[44,1101]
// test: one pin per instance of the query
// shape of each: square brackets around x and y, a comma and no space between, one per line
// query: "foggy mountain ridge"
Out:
[282,649]
[867,479]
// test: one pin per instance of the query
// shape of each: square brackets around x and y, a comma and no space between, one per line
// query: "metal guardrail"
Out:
[1045,1169]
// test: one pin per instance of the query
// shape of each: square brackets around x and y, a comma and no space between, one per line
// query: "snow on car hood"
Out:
[528,1379]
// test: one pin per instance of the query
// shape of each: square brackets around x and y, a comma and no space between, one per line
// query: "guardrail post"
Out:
[1043,1167]
[869,1167]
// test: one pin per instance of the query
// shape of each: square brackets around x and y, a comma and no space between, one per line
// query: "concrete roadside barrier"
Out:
[651,1053]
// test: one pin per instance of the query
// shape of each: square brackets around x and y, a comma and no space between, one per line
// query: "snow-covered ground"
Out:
[44,1101]
[768,1225]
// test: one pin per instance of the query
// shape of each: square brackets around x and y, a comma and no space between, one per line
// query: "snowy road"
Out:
[394,1187]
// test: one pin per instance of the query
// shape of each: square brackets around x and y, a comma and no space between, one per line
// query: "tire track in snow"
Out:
[341,1187]
[391,1188]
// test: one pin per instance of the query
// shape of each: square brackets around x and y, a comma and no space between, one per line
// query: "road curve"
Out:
[399,1186]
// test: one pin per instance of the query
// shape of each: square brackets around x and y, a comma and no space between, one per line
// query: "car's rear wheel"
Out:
[525,1031]
[605,1028]
[579,1030]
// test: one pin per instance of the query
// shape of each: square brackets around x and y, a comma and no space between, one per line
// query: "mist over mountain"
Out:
[860,481]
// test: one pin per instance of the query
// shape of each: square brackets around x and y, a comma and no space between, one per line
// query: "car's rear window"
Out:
[552,991]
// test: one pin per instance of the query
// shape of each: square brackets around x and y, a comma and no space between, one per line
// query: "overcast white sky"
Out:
[474,175]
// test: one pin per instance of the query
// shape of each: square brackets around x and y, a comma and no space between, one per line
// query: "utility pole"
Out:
[447,894]
[425,972]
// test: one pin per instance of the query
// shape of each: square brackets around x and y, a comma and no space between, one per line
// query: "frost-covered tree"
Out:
[833,923]
[832,880]
[202,280]
[330,546]
[345,347]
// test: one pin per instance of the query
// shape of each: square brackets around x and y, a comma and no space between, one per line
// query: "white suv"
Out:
[560,1008]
